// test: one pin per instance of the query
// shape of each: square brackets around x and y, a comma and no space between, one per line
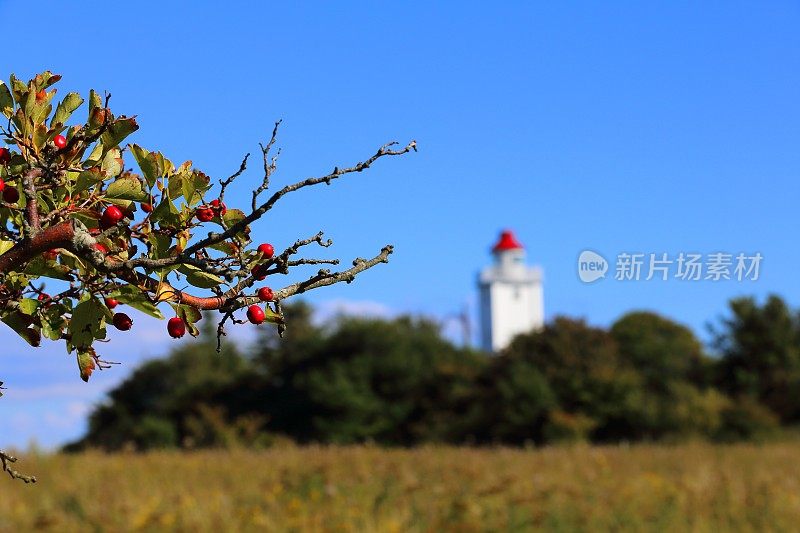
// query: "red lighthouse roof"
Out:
[507,242]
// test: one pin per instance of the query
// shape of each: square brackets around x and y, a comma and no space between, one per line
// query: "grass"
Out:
[694,487]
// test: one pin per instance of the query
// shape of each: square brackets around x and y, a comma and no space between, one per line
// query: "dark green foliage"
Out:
[661,350]
[363,379]
[760,349]
[150,408]
[399,382]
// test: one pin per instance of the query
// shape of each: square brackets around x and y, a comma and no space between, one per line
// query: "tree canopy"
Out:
[400,382]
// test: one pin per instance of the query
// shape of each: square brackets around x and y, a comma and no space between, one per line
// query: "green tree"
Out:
[392,381]
[759,349]
[661,350]
[510,403]
[675,401]
[150,409]
[583,368]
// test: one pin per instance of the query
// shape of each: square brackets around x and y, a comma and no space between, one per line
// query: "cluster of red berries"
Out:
[205,213]
[254,313]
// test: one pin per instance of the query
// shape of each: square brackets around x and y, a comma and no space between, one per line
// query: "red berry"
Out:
[147,208]
[176,327]
[219,207]
[10,195]
[111,216]
[43,296]
[5,156]
[111,303]
[265,294]
[122,321]
[266,250]
[255,314]
[259,272]
[100,247]
[204,214]
[2,184]
[60,141]
[50,255]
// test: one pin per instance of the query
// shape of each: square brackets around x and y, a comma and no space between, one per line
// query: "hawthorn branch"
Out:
[215,238]
[6,460]
[32,224]
[269,167]
[224,183]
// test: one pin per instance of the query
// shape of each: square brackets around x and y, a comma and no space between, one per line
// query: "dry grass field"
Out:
[695,487]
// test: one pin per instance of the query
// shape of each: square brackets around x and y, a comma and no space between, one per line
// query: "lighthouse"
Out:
[511,297]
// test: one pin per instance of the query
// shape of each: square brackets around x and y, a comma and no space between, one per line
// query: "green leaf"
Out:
[160,245]
[166,213]
[152,164]
[40,136]
[146,163]
[190,316]
[95,102]
[65,108]
[54,322]
[272,316]
[87,179]
[28,305]
[86,364]
[113,164]
[226,247]
[234,216]
[96,154]
[39,267]
[118,130]
[126,187]
[88,323]
[5,246]
[46,79]
[189,192]
[20,89]
[20,323]
[41,108]
[6,100]
[198,278]
[136,298]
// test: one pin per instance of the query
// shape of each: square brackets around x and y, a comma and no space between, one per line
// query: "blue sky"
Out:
[617,127]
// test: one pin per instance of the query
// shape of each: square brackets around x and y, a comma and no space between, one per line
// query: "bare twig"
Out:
[6,461]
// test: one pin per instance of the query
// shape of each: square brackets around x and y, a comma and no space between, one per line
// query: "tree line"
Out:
[400,382]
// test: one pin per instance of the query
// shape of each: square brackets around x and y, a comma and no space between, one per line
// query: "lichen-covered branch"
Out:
[6,460]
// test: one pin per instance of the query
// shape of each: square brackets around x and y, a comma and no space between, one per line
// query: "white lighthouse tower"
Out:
[512,301]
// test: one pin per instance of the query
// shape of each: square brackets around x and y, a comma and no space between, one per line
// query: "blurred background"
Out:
[621,127]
